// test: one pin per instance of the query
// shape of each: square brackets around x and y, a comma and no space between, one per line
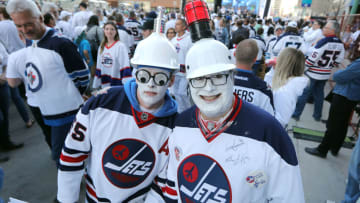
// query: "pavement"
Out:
[30,175]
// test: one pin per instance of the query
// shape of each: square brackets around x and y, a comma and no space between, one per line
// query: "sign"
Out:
[306,3]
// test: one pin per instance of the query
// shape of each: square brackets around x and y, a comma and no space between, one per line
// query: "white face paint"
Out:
[150,95]
[214,101]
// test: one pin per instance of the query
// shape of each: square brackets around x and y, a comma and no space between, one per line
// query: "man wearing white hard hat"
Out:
[224,149]
[290,38]
[123,131]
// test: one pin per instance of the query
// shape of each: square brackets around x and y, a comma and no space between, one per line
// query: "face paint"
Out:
[214,101]
[149,94]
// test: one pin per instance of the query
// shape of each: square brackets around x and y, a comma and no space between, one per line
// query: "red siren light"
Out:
[198,19]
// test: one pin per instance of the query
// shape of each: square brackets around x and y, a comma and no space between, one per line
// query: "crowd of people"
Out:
[148,107]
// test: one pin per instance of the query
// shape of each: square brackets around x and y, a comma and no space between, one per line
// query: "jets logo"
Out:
[107,60]
[33,77]
[201,179]
[127,163]
[177,47]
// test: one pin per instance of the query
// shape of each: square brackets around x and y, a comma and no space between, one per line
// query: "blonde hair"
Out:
[290,63]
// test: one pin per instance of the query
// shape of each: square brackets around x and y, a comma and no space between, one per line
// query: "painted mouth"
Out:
[210,98]
[150,94]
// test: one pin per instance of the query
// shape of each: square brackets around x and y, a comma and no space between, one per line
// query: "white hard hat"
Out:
[156,50]
[207,56]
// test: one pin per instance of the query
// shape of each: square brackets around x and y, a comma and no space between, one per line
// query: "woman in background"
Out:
[288,83]
[113,66]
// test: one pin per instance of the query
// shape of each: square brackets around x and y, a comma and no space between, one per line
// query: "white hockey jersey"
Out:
[289,39]
[54,75]
[125,149]
[326,54]
[113,66]
[261,46]
[133,25]
[249,158]
[182,45]
[253,90]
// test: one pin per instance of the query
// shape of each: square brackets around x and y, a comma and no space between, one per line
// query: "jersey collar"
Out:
[211,135]
[143,119]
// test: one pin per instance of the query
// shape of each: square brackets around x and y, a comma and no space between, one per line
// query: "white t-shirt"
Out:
[81,18]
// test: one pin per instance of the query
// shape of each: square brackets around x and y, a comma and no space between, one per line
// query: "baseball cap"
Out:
[148,25]
[292,24]
[63,14]
[278,27]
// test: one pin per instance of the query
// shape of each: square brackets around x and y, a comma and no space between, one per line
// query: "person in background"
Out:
[82,17]
[326,54]
[49,20]
[261,51]
[102,18]
[95,35]
[56,76]
[147,28]
[64,25]
[84,48]
[288,83]
[50,7]
[5,142]
[182,43]
[352,192]
[247,85]
[170,34]
[171,22]
[311,37]
[346,36]
[124,34]
[222,33]
[113,67]
[346,95]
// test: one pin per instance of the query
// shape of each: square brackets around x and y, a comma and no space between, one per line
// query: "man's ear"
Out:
[41,18]
[172,79]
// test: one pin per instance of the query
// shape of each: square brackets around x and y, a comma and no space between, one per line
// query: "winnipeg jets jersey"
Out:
[113,67]
[327,53]
[54,75]
[289,39]
[125,150]
[261,46]
[133,25]
[182,45]
[253,90]
[250,158]
[268,50]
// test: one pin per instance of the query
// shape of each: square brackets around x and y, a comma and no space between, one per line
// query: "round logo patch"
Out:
[107,60]
[33,77]
[128,162]
[201,179]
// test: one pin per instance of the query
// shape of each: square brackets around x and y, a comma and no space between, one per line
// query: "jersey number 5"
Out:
[78,133]
[327,55]
[134,31]
[295,45]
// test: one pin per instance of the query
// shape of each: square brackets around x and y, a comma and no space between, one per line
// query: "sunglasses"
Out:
[144,76]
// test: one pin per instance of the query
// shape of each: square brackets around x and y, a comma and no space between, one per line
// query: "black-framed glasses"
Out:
[216,80]
[144,76]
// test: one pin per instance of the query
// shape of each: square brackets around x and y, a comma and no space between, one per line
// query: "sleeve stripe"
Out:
[309,63]
[169,191]
[170,183]
[80,73]
[160,180]
[71,168]
[90,191]
[74,151]
[73,159]
[123,69]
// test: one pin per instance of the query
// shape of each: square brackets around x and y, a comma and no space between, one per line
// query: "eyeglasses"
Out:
[171,33]
[144,76]
[216,80]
